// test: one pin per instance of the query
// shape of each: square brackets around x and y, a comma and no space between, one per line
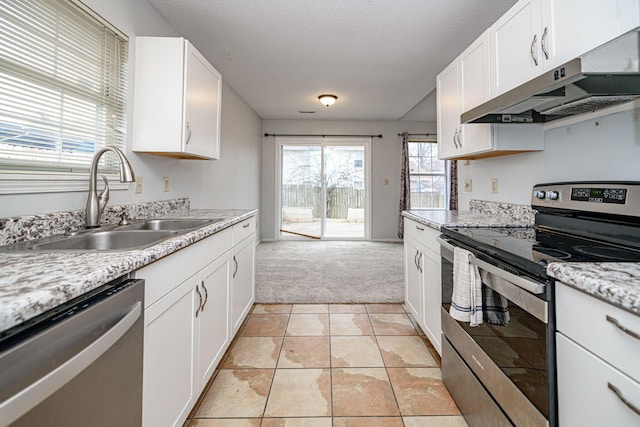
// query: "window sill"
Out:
[32,183]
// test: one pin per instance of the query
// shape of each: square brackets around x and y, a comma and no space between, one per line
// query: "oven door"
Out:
[509,356]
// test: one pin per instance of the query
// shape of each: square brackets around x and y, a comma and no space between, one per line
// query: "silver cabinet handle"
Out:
[419,228]
[622,328]
[236,269]
[543,42]
[533,46]
[200,303]
[458,137]
[420,262]
[188,134]
[415,259]
[206,295]
[623,399]
[246,225]
[455,134]
[29,397]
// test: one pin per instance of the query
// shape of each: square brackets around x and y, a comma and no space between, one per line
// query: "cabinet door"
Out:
[575,29]
[585,397]
[242,283]
[432,297]
[474,81]
[212,317]
[413,278]
[168,388]
[202,113]
[448,111]
[514,42]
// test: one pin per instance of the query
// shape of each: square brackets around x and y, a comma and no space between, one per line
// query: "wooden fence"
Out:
[339,199]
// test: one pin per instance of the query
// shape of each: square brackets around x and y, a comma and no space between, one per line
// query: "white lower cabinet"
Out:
[190,320]
[169,349]
[242,281]
[413,277]
[597,359]
[423,287]
[212,327]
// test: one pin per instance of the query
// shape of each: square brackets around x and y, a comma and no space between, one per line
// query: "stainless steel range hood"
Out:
[605,76]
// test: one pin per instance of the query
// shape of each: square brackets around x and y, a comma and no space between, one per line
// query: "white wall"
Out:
[231,182]
[385,164]
[603,148]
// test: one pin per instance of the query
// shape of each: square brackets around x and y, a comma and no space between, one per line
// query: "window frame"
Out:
[446,174]
[25,180]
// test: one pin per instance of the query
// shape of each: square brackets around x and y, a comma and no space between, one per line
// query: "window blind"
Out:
[63,77]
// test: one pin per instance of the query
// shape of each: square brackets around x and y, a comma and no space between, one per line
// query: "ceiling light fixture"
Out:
[327,100]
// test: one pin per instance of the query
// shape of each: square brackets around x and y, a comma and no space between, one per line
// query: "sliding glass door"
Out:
[323,189]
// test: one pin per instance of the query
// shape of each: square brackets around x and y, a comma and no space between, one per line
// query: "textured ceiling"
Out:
[380,57]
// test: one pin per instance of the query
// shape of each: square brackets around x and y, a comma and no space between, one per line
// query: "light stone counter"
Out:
[438,219]
[32,283]
[616,283]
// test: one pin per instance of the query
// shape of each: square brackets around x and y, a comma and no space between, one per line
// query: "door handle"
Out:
[206,295]
[533,46]
[200,303]
[543,42]
[235,271]
[188,134]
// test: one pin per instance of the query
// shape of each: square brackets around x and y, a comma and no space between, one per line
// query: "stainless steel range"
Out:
[502,372]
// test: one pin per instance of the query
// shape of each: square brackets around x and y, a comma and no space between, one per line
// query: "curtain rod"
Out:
[324,135]
[420,134]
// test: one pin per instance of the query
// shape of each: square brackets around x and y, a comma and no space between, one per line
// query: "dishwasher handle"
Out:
[29,397]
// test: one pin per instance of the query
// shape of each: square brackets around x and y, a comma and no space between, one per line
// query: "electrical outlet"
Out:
[386,181]
[494,185]
[138,188]
[165,183]
[467,185]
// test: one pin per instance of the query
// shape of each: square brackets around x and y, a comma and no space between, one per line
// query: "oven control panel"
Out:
[599,195]
[620,198]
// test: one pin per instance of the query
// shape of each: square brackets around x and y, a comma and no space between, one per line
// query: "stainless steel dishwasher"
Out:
[77,365]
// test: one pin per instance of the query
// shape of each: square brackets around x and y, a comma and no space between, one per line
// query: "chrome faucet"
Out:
[95,203]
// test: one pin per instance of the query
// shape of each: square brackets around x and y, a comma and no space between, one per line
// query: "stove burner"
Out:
[607,252]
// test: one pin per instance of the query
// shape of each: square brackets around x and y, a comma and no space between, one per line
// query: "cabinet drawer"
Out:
[423,234]
[244,229]
[584,394]
[583,318]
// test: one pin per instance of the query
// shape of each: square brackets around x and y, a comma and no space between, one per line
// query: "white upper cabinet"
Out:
[579,27]
[463,85]
[537,35]
[515,46]
[177,100]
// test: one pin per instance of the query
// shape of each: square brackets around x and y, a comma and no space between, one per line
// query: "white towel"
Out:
[466,301]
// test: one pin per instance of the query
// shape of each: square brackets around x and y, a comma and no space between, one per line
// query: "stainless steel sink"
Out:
[107,240]
[137,235]
[178,224]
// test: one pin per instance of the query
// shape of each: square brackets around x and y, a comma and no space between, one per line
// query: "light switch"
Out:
[138,188]
[386,181]
[467,185]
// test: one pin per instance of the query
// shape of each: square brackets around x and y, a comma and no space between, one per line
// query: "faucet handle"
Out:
[124,219]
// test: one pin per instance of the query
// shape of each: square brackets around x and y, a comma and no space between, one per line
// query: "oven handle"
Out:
[521,282]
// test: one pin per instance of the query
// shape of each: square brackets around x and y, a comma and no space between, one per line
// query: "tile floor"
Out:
[328,365]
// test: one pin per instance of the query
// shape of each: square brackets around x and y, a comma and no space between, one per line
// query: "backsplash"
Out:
[29,227]
[520,213]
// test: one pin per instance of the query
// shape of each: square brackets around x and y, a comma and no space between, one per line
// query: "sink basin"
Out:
[107,240]
[178,224]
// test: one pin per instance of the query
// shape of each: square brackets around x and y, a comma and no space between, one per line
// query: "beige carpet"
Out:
[329,272]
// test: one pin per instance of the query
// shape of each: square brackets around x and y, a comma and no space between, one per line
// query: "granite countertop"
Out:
[617,283]
[34,282]
[438,219]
